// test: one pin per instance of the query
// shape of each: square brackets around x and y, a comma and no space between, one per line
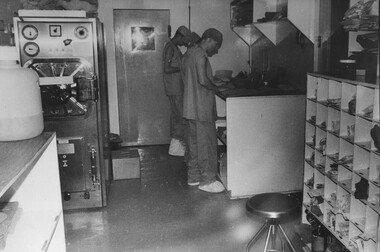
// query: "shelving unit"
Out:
[332,170]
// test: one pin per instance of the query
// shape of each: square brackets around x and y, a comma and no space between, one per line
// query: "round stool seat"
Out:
[271,205]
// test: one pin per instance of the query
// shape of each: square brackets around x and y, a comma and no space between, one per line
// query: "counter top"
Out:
[356,82]
[266,91]
[17,158]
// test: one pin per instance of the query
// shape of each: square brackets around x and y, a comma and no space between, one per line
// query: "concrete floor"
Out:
[159,212]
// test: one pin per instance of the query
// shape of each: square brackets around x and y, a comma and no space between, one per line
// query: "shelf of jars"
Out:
[342,159]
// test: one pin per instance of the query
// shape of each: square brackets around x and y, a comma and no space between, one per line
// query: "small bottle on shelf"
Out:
[318,243]
[318,234]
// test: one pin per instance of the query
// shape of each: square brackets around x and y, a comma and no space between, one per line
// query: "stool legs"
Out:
[256,236]
[286,237]
[271,236]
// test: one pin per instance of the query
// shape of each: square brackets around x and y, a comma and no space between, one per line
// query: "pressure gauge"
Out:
[81,32]
[30,32]
[31,49]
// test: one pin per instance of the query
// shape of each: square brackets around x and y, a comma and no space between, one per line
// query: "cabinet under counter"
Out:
[29,180]
[265,142]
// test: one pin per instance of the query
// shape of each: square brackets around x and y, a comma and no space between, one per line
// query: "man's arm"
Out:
[205,76]
[168,68]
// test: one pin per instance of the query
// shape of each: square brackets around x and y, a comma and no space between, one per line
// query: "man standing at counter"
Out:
[199,108]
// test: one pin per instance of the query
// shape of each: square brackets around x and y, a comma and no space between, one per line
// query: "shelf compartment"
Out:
[331,169]
[320,162]
[222,134]
[361,162]
[332,145]
[365,102]
[344,177]
[312,87]
[329,218]
[372,218]
[374,169]
[355,180]
[362,133]
[310,134]
[342,228]
[343,202]
[347,127]
[323,91]
[321,119]
[330,192]
[309,175]
[320,140]
[311,112]
[348,94]
[346,151]
[309,154]
[319,184]
[334,94]
[354,234]
[358,213]
[376,109]
[373,147]
[333,121]
[306,194]
[374,198]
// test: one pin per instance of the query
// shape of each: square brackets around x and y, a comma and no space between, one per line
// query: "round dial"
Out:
[31,49]
[30,32]
[81,32]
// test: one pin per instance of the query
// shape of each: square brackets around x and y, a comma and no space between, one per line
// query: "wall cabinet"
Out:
[30,193]
[261,17]
[264,144]
[308,16]
[342,163]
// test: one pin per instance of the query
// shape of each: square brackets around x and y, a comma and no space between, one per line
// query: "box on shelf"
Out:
[125,164]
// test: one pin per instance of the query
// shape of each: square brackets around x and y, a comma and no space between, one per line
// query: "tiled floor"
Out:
[159,212]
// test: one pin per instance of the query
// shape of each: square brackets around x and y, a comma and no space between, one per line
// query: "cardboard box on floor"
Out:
[125,164]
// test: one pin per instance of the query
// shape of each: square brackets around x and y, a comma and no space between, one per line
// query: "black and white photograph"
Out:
[189,126]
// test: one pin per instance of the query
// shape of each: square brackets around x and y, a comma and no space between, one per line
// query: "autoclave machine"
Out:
[66,49]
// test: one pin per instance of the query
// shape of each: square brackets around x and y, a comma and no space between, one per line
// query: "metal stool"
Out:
[272,206]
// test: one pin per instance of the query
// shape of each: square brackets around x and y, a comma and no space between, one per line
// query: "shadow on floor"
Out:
[159,212]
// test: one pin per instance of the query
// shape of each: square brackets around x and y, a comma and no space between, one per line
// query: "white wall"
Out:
[204,14]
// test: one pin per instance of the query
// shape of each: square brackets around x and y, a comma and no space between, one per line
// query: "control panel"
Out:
[55,40]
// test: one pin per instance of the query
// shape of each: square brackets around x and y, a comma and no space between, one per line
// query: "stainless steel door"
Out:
[144,110]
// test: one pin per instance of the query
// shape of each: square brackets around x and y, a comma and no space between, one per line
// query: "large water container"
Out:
[21,114]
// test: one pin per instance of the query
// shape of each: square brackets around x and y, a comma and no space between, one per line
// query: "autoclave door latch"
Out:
[93,170]
[87,89]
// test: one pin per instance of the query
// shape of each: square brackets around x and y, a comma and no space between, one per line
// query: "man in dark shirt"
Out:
[174,89]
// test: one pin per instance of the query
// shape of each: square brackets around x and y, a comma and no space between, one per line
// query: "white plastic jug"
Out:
[21,115]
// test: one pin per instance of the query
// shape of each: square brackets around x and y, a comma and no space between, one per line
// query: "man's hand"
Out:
[225,86]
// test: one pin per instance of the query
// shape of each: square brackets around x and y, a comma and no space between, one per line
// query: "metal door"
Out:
[144,110]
